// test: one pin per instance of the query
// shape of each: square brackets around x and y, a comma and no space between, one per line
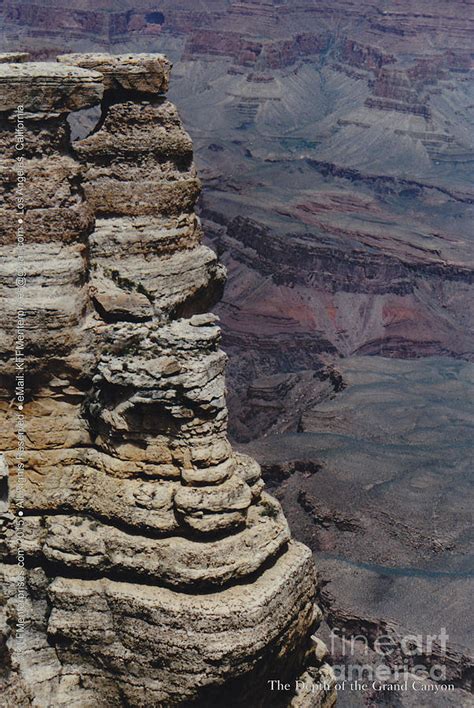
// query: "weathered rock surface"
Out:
[343,134]
[13,57]
[158,571]
[146,73]
[42,87]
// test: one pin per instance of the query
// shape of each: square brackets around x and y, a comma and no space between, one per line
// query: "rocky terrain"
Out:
[335,146]
[141,555]
[334,142]
[378,483]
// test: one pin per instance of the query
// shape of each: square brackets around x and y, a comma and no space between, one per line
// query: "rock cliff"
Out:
[334,141]
[157,570]
[341,131]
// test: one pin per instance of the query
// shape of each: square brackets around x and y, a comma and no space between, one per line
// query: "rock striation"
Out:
[341,129]
[158,570]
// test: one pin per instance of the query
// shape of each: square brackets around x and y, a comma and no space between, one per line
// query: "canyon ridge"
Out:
[334,143]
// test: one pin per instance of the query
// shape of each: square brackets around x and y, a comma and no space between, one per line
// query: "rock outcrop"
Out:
[157,570]
[342,133]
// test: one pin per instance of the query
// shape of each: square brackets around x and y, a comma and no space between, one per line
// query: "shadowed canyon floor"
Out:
[378,484]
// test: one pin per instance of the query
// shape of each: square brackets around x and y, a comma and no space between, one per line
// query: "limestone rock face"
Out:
[158,570]
[46,86]
[13,57]
[147,73]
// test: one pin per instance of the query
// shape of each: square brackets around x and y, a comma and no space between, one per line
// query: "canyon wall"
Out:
[157,570]
[335,147]
[334,142]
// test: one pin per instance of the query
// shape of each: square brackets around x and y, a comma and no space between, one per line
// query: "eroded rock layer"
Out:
[158,570]
[334,140]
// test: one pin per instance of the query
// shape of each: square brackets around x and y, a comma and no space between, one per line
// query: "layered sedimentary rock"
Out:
[159,572]
[342,133]
[342,130]
[269,33]
[13,57]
